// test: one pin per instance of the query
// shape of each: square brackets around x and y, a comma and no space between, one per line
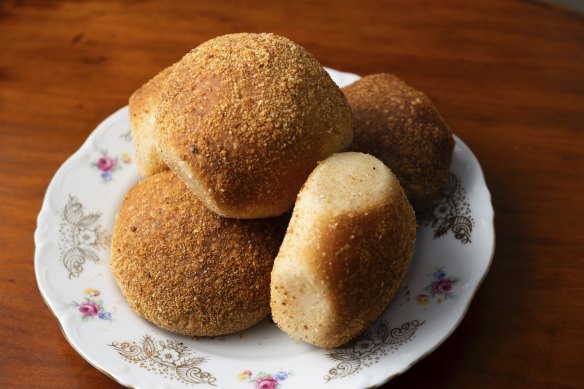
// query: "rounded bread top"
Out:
[245,118]
[401,126]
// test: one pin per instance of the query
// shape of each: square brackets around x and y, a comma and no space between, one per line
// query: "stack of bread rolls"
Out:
[243,129]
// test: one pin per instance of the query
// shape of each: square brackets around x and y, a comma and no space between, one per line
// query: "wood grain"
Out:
[507,75]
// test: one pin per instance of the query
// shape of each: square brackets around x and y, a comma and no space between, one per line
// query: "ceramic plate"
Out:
[453,252]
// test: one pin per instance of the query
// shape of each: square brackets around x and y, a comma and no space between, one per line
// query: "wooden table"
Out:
[507,75]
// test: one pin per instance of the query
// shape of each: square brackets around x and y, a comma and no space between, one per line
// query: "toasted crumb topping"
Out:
[186,269]
[249,116]
[401,126]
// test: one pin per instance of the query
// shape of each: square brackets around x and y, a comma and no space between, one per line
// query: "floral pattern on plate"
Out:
[263,380]
[380,340]
[91,307]
[108,165]
[440,288]
[451,212]
[82,237]
[168,358]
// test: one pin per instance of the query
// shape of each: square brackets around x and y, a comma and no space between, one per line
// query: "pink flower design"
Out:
[106,164]
[442,286]
[88,308]
[92,307]
[266,383]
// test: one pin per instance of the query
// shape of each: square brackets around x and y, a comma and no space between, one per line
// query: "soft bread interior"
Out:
[346,182]
[143,105]
[185,173]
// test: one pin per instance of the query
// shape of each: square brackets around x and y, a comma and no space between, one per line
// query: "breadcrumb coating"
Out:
[245,118]
[401,126]
[186,269]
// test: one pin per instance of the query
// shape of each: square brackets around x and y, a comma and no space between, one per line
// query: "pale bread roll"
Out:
[142,106]
[186,269]
[345,253]
[244,120]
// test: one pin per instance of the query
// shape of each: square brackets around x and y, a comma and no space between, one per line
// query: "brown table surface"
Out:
[508,76]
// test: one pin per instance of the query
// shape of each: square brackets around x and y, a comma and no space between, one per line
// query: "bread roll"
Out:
[345,253]
[142,106]
[245,118]
[186,269]
[399,125]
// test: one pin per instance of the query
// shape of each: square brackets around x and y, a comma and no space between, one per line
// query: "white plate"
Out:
[453,252]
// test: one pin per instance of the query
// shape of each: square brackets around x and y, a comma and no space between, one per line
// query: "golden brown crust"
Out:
[142,107]
[401,126]
[244,120]
[187,269]
[371,252]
